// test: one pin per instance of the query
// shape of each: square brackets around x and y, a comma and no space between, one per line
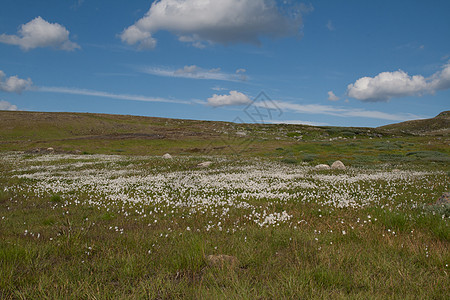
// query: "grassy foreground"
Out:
[141,227]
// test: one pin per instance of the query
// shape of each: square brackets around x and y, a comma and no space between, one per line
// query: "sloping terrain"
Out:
[439,125]
[75,132]
[84,133]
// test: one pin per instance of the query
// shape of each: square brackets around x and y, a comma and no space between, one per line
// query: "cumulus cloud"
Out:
[13,84]
[233,98]
[332,96]
[196,72]
[40,33]
[210,21]
[387,85]
[5,105]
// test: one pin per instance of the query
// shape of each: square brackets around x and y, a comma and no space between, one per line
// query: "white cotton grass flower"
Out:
[219,191]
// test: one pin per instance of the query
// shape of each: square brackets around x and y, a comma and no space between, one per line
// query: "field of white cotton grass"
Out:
[144,227]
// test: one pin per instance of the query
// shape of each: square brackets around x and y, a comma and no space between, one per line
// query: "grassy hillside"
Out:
[439,125]
[82,133]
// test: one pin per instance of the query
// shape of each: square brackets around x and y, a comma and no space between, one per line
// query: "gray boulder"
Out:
[322,167]
[338,165]
[167,156]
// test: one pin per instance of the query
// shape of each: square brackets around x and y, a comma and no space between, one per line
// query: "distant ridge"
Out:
[439,125]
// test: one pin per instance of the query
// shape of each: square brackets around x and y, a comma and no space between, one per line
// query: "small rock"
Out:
[444,199]
[167,156]
[338,165]
[204,164]
[322,167]
[222,260]
[50,149]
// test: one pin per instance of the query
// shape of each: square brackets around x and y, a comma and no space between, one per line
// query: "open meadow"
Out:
[78,221]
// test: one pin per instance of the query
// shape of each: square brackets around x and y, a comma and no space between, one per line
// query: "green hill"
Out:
[439,125]
[87,133]
[103,133]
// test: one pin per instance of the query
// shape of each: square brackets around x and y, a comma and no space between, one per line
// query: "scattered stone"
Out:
[222,260]
[204,164]
[322,167]
[241,133]
[50,149]
[167,156]
[338,165]
[444,199]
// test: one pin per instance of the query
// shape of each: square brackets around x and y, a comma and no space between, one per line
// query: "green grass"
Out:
[54,244]
[93,252]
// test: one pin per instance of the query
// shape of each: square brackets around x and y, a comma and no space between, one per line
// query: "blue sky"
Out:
[345,63]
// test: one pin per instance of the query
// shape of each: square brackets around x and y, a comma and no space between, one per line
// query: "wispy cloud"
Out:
[219,89]
[330,26]
[196,72]
[340,111]
[77,4]
[85,92]
[277,104]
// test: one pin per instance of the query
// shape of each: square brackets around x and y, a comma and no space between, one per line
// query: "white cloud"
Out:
[84,92]
[332,96]
[387,85]
[218,88]
[40,33]
[240,73]
[233,98]
[330,26]
[211,21]
[337,111]
[187,70]
[13,84]
[77,4]
[195,72]
[441,80]
[5,105]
